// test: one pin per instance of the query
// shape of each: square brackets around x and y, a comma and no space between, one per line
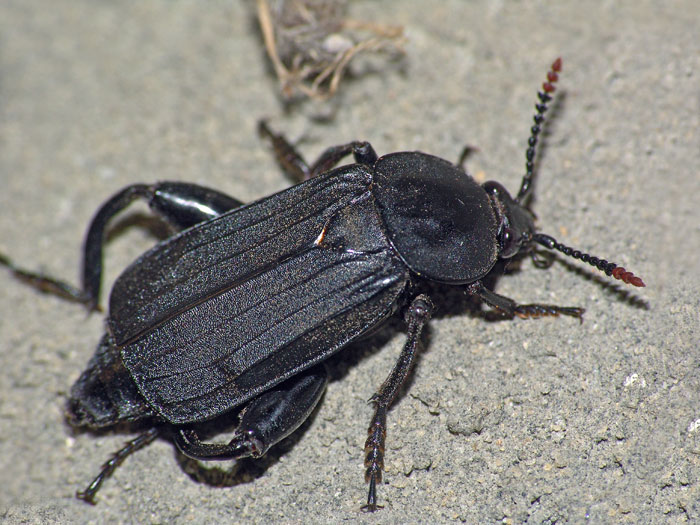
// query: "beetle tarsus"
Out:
[535,311]
[372,497]
[374,456]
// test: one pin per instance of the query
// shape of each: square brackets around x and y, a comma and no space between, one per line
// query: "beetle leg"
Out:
[108,468]
[267,420]
[182,205]
[294,165]
[467,152]
[524,311]
[417,316]
[44,283]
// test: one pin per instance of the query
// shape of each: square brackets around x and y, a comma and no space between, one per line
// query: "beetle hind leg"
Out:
[88,495]
[182,205]
[267,420]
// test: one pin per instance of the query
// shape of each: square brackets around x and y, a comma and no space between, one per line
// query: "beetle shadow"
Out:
[449,301]
[340,364]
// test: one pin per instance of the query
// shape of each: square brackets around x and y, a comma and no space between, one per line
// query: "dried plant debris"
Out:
[311,43]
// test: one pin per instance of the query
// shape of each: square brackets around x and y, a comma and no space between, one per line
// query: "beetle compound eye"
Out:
[508,241]
[494,189]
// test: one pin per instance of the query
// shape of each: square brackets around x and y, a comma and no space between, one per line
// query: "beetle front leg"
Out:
[267,420]
[417,316]
[524,311]
[294,165]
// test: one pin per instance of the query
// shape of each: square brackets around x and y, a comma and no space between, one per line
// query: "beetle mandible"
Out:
[240,308]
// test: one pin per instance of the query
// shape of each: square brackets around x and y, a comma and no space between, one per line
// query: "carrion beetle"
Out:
[242,306]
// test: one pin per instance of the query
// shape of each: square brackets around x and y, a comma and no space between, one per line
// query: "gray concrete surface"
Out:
[509,422]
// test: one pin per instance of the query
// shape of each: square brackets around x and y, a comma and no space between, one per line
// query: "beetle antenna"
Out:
[610,268]
[544,97]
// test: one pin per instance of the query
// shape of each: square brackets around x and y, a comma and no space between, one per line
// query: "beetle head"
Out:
[515,223]
[516,234]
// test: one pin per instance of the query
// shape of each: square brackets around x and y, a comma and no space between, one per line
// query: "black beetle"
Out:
[243,305]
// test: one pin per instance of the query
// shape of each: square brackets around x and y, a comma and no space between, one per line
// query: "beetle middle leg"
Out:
[267,420]
[299,170]
[524,311]
[417,317]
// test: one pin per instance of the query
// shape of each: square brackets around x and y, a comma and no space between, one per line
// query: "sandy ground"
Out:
[524,421]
